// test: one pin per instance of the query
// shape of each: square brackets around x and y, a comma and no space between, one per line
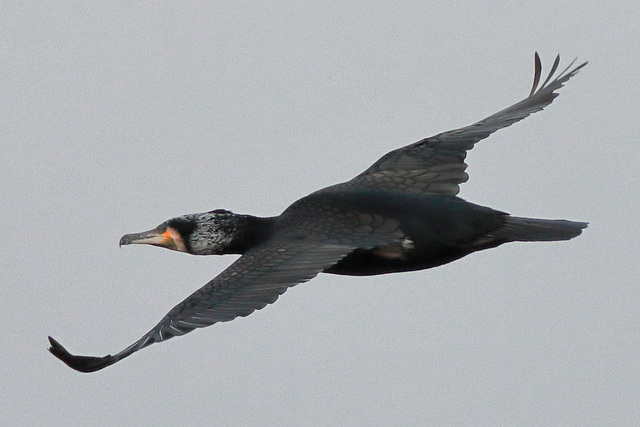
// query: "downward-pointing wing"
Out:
[300,251]
[256,279]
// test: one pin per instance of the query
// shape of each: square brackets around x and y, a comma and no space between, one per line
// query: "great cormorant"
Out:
[401,214]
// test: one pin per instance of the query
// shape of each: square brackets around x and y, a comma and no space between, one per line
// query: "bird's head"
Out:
[209,233]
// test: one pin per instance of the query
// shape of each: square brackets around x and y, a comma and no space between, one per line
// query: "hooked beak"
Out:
[166,238]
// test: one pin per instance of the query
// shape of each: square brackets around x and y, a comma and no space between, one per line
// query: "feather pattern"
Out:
[398,215]
[435,165]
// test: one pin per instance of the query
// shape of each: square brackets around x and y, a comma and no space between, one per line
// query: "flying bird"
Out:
[401,214]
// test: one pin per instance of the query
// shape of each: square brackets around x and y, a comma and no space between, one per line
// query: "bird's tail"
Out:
[538,230]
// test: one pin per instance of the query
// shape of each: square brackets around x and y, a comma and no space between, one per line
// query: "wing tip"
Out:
[536,73]
[559,80]
[80,363]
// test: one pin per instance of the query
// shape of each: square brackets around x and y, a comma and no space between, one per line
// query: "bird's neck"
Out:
[251,231]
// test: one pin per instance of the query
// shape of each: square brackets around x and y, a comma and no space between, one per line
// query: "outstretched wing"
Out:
[301,250]
[256,279]
[436,165]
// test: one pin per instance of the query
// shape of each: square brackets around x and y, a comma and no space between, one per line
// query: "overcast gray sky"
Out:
[115,117]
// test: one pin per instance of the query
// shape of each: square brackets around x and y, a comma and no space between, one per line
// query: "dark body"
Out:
[401,214]
[434,230]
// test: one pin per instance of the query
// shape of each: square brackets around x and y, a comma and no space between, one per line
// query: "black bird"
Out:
[401,214]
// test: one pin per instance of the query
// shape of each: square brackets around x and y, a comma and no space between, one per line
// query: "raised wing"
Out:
[256,279]
[436,165]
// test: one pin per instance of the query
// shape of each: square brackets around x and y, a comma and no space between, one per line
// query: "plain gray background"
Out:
[117,116]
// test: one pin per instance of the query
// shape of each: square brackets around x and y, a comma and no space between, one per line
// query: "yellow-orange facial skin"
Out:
[165,237]
[174,238]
